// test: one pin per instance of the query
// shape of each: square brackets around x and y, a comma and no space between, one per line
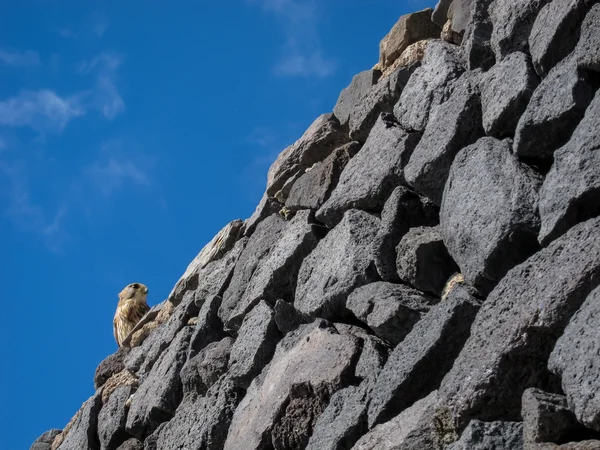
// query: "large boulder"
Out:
[452,126]
[516,329]
[505,92]
[476,47]
[112,419]
[308,364]
[409,29]
[575,360]
[82,431]
[203,370]
[352,95]
[490,436]
[571,190]
[489,233]
[371,176]
[322,137]
[44,441]
[555,109]
[586,52]
[430,85]
[340,263]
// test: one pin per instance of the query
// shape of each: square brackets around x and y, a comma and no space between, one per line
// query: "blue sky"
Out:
[130,133]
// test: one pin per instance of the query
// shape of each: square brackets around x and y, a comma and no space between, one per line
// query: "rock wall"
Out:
[423,271]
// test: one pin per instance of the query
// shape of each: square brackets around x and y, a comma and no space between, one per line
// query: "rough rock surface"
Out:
[490,436]
[488,235]
[476,47]
[371,176]
[352,95]
[113,417]
[586,52]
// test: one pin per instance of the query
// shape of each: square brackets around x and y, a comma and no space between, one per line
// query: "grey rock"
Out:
[312,359]
[113,364]
[131,444]
[412,429]
[429,86]
[343,422]
[489,234]
[404,209]
[390,310]
[83,434]
[547,418]
[417,365]
[45,440]
[271,274]
[373,353]
[460,14]
[440,13]
[555,109]
[202,371]
[476,48]
[287,317]
[587,51]
[452,125]
[257,338]
[423,260]
[209,328]
[555,32]
[575,360]
[516,329]
[512,22]
[201,422]
[322,137]
[314,187]
[371,176]
[505,92]
[490,436]
[112,419]
[340,263]
[160,393]
[409,29]
[571,190]
[266,208]
[379,98]
[354,93]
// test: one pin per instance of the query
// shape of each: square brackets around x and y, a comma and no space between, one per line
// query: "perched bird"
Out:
[131,308]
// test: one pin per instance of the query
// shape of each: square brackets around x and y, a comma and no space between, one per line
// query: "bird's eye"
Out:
[135,286]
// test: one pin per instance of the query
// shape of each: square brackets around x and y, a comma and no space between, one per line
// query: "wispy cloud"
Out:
[95,25]
[100,23]
[302,53]
[106,96]
[19,59]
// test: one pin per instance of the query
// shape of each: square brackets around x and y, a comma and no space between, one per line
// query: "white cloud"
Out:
[100,23]
[106,96]
[19,59]
[302,53]
[42,110]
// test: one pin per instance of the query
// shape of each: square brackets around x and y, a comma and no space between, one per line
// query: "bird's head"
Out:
[134,291]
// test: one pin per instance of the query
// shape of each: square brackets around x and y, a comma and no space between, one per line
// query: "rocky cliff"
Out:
[423,271]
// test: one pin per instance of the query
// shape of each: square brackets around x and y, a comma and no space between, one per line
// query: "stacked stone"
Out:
[423,271]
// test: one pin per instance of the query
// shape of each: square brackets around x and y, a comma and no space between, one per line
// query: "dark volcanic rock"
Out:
[200,372]
[314,187]
[268,275]
[490,436]
[512,22]
[586,52]
[489,234]
[159,395]
[113,364]
[322,137]
[266,208]
[84,432]
[555,32]
[371,176]
[254,345]
[44,442]
[412,429]
[429,86]
[112,419]
[571,190]
[546,418]
[440,13]
[314,355]
[420,361]
[209,327]
[373,353]
[505,91]
[555,108]
[452,126]
[131,444]
[380,98]
[516,329]
[460,14]
[423,260]
[476,48]
[352,95]
[341,262]
[403,210]
[287,318]
[390,310]
[575,360]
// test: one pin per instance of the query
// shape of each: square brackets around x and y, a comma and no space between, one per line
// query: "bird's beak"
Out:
[145,290]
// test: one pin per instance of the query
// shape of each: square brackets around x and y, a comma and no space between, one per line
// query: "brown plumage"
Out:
[131,308]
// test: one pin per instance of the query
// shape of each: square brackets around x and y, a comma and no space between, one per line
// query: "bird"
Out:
[131,308]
